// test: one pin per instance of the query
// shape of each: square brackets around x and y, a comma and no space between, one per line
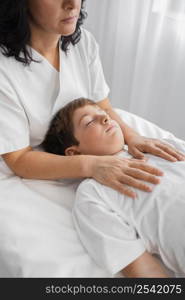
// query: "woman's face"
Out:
[55,16]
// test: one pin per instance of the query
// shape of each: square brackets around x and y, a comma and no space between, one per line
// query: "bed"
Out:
[38,238]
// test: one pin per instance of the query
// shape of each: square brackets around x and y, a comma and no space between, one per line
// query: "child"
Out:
[120,233]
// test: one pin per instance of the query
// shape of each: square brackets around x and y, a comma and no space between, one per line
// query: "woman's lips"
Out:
[69,20]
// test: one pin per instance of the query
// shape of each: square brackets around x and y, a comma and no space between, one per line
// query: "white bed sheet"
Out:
[37,235]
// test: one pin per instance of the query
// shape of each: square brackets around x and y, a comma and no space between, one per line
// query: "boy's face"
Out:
[96,132]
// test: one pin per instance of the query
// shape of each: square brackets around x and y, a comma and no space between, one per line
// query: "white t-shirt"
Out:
[116,229]
[31,95]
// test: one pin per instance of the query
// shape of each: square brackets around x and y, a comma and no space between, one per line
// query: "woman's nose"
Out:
[70,4]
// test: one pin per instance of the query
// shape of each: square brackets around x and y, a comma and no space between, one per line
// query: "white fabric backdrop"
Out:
[142,45]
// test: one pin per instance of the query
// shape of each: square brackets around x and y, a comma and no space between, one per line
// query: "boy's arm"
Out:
[145,266]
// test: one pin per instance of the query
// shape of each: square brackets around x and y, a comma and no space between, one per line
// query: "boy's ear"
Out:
[72,151]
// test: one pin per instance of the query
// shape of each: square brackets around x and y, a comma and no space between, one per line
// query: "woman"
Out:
[45,61]
[36,79]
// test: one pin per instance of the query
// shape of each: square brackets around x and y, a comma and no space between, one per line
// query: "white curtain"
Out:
[142,46]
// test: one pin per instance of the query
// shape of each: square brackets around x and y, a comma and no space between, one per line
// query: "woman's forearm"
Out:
[42,165]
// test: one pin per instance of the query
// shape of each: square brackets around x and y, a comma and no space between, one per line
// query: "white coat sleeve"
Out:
[107,237]
[99,88]
[14,129]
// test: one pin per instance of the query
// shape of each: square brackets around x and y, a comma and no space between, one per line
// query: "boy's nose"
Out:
[105,119]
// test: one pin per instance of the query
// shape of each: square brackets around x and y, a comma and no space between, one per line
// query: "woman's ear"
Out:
[72,151]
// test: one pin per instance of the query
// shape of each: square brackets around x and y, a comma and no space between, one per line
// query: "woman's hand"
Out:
[137,145]
[120,173]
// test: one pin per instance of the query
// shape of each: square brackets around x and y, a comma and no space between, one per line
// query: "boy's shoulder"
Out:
[90,186]
[88,183]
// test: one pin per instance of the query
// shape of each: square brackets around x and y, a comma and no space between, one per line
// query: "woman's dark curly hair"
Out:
[15,32]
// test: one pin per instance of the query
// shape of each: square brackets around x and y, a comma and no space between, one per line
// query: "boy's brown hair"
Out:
[60,133]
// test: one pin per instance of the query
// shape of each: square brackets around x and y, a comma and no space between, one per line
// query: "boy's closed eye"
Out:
[90,122]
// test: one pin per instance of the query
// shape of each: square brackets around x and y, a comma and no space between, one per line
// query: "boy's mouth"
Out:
[110,127]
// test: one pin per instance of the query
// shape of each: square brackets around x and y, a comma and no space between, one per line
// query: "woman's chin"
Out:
[68,31]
